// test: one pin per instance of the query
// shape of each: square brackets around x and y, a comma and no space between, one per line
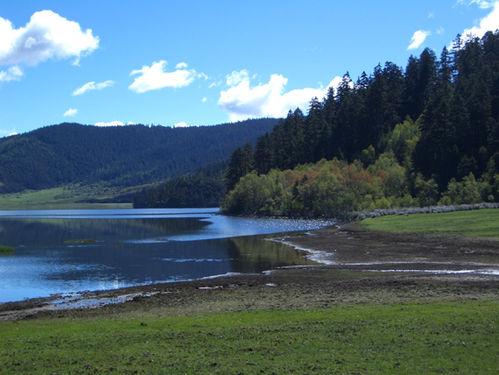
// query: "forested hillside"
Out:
[204,188]
[425,134]
[120,156]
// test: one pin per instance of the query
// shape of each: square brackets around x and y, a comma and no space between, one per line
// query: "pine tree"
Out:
[315,132]
[436,152]
[420,77]
[346,128]
[473,86]
[240,164]
[329,116]
[264,154]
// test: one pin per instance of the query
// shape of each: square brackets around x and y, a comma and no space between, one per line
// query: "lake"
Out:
[70,251]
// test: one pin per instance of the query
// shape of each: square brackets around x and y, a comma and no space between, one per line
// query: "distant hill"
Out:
[120,156]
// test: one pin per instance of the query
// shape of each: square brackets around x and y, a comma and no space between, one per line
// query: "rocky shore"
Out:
[420,210]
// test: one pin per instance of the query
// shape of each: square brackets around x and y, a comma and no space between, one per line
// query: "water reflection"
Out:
[254,254]
[15,232]
[63,253]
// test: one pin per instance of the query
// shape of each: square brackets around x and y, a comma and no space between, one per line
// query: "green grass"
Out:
[476,223]
[458,338]
[62,197]
[6,250]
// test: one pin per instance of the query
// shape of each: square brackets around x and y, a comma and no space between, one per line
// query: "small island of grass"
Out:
[6,250]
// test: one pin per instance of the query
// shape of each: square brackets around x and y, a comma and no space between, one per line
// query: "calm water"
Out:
[65,251]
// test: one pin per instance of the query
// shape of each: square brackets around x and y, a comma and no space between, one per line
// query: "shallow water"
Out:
[68,251]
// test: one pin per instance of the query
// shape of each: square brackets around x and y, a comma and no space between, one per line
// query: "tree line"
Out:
[437,119]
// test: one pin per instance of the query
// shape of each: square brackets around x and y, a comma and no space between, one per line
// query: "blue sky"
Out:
[203,62]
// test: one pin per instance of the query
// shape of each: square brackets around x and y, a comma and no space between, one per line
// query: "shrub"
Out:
[463,192]
[426,191]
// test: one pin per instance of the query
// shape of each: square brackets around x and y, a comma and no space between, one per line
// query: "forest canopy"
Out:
[422,135]
[119,156]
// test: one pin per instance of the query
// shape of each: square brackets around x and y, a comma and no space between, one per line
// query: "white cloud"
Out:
[203,76]
[236,77]
[8,133]
[204,99]
[181,65]
[71,112]
[482,4]
[244,101]
[488,23]
[90,86]
[181,124]
[155,77]
[46,36]
[14,73]
[113,123]
[440,30]
[214,84]
[418,39]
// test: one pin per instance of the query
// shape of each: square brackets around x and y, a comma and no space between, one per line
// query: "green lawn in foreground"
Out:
[476,223]
[458,338]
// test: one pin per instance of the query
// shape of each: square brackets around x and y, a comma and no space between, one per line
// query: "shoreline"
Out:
[422,210]
[377,212]
[321,257]
[364,262]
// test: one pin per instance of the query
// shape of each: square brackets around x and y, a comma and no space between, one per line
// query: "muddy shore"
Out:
[358,266]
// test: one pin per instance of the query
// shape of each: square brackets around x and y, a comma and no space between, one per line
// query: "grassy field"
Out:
[63,197]
[459,338]
[476,223]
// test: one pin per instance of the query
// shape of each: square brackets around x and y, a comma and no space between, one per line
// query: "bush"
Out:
[335,188]
[325,189]
[368,156]
[402,141]
[463,192]
[426,191]
[392,175]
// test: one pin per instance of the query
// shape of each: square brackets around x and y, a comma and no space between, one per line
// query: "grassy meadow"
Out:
[460,338]
[476,223]
[62,197]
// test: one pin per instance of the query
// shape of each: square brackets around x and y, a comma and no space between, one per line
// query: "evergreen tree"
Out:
[384,101]
[240,164]
[263,154]
[329,116]
[346,129]
[453,104]
[436,152]
[315,132]
[420,77]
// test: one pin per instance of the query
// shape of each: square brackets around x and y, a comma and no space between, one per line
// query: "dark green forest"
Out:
[119,156]
[422,135]
[204,188]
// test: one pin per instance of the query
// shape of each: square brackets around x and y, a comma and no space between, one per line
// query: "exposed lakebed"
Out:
[68,251]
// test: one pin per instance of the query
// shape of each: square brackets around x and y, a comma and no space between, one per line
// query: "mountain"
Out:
[119,156]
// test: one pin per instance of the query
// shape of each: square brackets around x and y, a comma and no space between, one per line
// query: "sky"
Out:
[183,63]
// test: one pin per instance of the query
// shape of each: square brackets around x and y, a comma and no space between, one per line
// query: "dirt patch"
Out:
[352,244]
